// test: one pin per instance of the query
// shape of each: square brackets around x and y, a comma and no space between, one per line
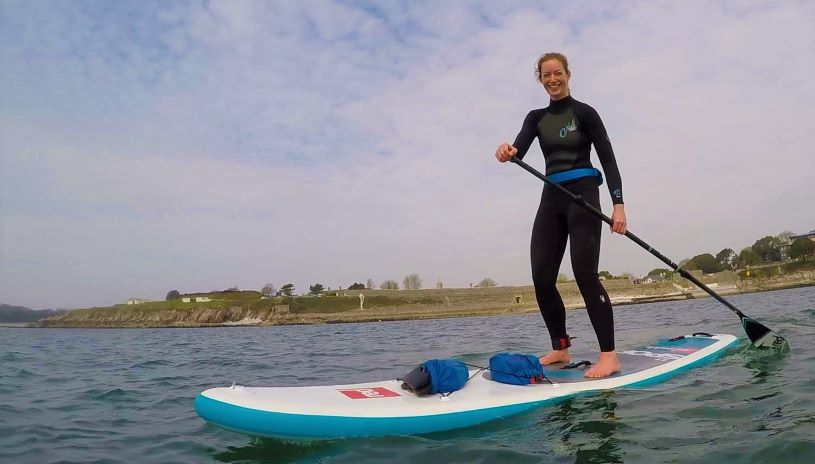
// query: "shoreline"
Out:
[474,308]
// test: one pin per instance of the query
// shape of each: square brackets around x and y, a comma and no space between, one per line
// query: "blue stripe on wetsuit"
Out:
[571,174]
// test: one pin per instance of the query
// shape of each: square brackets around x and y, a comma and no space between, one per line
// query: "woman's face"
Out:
[554,79]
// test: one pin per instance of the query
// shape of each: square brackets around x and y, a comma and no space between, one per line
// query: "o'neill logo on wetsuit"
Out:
[366,393]
[569,127]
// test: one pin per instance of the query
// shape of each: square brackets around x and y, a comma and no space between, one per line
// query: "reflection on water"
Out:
[765,364]
[263,450]
[585,428]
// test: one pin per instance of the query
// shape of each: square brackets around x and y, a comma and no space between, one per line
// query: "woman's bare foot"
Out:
[605,366]
[554,356]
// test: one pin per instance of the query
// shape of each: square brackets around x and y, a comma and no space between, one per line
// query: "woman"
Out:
[566,129]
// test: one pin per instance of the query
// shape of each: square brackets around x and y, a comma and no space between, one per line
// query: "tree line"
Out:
[769,249]
[409,282]
[765,250]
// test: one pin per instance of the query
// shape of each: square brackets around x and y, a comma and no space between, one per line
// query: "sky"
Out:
[147,146]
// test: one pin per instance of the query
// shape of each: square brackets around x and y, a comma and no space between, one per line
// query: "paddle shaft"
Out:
[580,201]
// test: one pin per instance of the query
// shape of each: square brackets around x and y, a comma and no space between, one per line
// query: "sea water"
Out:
[126,395]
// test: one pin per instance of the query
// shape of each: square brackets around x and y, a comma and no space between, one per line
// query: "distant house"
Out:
[135,301]
[649,279]
[195,299]
[810,235]
[281,309]
[785,249]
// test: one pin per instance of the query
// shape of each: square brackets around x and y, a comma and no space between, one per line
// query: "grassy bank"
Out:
[250,308]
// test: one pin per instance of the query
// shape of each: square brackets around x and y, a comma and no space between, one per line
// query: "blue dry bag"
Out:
[436,376]
[516,369]
[446,375]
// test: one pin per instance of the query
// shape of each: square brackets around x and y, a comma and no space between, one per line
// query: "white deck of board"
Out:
[478,393]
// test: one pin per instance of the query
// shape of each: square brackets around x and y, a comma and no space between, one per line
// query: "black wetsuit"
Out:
[566,130]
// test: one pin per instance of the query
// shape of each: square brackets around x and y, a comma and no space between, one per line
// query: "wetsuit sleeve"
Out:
[527,134]
[599,137]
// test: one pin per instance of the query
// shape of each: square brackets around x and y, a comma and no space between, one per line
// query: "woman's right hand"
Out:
[505,152]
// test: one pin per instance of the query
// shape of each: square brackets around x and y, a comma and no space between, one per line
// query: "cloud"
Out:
[203,145]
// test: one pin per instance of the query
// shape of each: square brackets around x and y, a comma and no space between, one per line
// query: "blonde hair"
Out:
[552,56]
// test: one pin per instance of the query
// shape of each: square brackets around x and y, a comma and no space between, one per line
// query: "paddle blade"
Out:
[762,337]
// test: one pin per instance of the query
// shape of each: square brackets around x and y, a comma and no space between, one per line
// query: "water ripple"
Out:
[121,396]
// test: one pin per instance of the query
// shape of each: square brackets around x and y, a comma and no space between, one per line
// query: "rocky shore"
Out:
[399,305]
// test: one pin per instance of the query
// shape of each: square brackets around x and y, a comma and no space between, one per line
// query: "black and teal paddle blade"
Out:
[762,337]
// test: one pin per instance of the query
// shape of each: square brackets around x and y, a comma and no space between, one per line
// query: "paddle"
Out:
[759,334]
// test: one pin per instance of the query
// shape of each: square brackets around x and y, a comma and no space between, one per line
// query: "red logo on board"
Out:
[373,392]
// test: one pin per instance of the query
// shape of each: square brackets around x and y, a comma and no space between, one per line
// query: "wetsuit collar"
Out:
[562,103]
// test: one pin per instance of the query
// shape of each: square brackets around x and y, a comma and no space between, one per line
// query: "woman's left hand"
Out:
[618,223]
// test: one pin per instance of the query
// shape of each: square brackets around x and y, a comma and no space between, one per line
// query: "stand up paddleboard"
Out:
[383,408]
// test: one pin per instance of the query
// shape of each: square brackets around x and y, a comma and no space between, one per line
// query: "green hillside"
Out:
[9,313]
